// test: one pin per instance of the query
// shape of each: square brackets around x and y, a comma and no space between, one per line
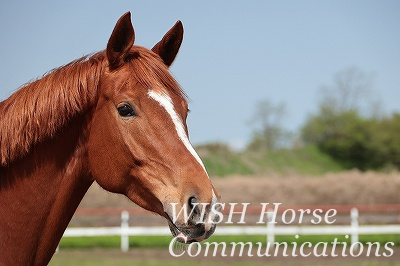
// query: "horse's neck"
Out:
[38,196]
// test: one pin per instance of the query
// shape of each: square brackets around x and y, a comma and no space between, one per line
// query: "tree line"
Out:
[348,126]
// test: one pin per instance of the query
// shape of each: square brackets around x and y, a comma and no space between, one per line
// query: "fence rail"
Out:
[270,230]
[251,209]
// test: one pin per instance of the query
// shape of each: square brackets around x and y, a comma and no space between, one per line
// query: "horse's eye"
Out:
[126,110]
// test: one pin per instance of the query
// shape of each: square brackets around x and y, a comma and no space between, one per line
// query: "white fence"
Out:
[270,230]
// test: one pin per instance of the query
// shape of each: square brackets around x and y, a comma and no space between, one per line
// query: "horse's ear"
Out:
[169,46]
[121,40]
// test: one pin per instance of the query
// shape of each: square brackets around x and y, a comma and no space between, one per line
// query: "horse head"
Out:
[138,141]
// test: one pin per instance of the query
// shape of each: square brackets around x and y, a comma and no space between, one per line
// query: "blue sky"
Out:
[234,53]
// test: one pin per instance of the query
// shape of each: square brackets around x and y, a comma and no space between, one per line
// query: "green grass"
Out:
[307,160]
[164,241]
[90,260]
[132,261]
[114,242]
[221,161]
[230,165]
[153,250]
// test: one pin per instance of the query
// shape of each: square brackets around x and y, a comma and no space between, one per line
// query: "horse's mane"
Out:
[38,109]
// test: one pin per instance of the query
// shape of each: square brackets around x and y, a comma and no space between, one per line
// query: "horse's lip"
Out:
[181,236]
[171,222]
[176,232]
[174,229]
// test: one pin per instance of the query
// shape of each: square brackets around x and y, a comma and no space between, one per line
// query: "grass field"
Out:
[155,257]
[149,251]
[164,241]
[222,161]
[154,250]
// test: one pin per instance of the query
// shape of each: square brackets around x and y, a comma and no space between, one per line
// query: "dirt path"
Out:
[351,187]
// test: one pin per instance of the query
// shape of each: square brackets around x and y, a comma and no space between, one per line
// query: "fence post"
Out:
[354,225]
[124,231]
[270,227]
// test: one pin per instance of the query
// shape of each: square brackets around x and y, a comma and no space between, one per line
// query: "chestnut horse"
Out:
[116,117]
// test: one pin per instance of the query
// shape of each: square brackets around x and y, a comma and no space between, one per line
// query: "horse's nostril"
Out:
[192,202]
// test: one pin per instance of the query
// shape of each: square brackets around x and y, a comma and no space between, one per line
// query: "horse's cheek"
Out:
[103,158]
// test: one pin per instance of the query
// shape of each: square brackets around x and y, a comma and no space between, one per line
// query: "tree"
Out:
[268,117]
[349,89]
[340,130]
[389,129]
[347,137]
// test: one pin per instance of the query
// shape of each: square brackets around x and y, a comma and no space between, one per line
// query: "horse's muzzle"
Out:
[195,229]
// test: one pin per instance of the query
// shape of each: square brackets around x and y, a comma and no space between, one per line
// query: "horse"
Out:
[116,117]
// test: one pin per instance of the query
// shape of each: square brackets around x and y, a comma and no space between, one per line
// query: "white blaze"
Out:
[165,101]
